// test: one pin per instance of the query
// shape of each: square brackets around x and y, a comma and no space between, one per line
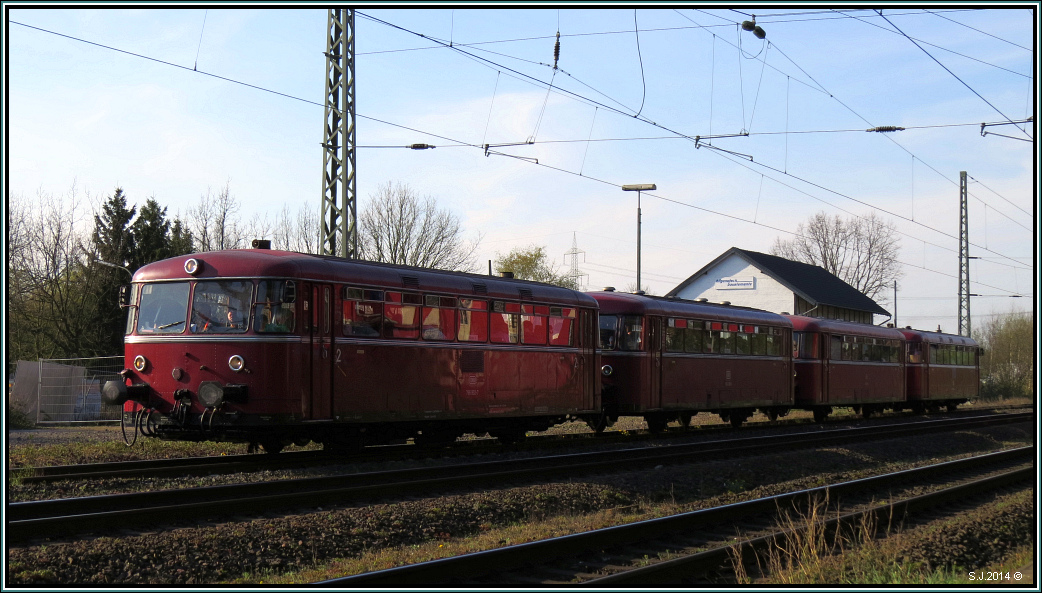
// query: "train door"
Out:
[829,353]
[653,344]
[322,352]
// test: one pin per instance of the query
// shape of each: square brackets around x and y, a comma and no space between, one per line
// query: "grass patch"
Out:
[994,537]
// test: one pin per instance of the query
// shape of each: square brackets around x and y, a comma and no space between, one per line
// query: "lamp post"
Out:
[639,187]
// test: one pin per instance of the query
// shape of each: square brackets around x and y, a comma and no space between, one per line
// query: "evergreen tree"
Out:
[181,240]
[114,244]
[151,235]
[113,238]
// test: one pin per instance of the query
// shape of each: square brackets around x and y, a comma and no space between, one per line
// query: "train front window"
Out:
[609,331]
[221,306]
[163,308]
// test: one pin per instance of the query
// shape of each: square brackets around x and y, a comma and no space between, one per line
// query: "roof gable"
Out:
[813,283]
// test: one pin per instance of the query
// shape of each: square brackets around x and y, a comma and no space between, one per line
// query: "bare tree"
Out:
[861,251]
[399,227]
[54,281]
[296,234]
[214,221]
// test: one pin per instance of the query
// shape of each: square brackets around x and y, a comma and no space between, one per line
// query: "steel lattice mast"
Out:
[964,259]
[338,232]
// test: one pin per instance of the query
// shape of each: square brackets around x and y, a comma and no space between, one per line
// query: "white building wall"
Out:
[735,279]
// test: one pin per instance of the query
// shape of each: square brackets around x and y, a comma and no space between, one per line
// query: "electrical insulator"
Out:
[749,25]
[557,49]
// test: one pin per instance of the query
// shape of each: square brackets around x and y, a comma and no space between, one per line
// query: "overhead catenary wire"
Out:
[457,142]
[973,90]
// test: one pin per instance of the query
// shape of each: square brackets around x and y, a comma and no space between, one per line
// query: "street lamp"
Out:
[639,187]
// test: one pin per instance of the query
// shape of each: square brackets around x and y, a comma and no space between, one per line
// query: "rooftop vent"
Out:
[411,282]
[480,288]
[261,244]
[525,293]
[609,289]
[725,302]
[701,300]
[639,292]
[506,274]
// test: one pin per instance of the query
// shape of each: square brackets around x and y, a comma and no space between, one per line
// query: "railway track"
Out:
[72,516]
[202,466]
[700,545]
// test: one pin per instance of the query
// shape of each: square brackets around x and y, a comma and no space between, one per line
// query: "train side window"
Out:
[505,322]
[401,320]
[775,345]
[362,312]
[915,352]
[694,337]
[561,321]
[609,331]
[758,342]
[631,338]
[933,353]
[274,313]
[742,345]
[675,329]
[473,321]
[533,324]
[132,309]
[835,348]
[711,335]
[725,342]
[438,323]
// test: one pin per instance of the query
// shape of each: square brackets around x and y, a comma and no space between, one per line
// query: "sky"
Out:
[173,102]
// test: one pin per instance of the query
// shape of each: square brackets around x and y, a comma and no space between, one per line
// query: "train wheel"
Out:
[772,415]
[685,421]
[509,436]
[655,424]
[820,414]
[952,407]
[435,438]
[598,424]
[272,446]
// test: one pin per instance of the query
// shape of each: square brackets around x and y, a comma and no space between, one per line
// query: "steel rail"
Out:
[69,516]
[461,568]
[209,465]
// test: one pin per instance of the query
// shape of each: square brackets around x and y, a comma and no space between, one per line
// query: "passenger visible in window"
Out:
[235,319]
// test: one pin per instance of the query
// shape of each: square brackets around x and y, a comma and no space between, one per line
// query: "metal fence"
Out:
[69,389]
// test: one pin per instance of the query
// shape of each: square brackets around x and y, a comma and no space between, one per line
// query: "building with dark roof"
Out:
[776,284]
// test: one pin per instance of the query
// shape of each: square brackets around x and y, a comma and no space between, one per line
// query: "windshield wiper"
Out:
[170,324]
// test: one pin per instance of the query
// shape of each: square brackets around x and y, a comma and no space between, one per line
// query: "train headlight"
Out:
[193,266]
[140,363]
[236,363]
[606,370]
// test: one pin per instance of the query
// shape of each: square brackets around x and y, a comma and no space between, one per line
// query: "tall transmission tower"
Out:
[574,274]
[338,233]
[964,259]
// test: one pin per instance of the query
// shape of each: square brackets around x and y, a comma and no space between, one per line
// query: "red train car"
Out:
[667,359]
[942,369]
[846,364]
[273,347]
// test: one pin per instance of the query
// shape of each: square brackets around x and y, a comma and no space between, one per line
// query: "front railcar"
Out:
[213,348]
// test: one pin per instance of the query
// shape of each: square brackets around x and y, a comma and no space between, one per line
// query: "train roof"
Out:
[270,263]
[919,335]
[620,303]
[802,323]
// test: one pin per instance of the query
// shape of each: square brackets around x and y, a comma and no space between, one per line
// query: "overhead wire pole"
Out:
[338,233]
[964,259]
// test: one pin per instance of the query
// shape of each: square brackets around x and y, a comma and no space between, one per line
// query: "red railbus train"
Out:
[669,359]
[272,347]
[942,369]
